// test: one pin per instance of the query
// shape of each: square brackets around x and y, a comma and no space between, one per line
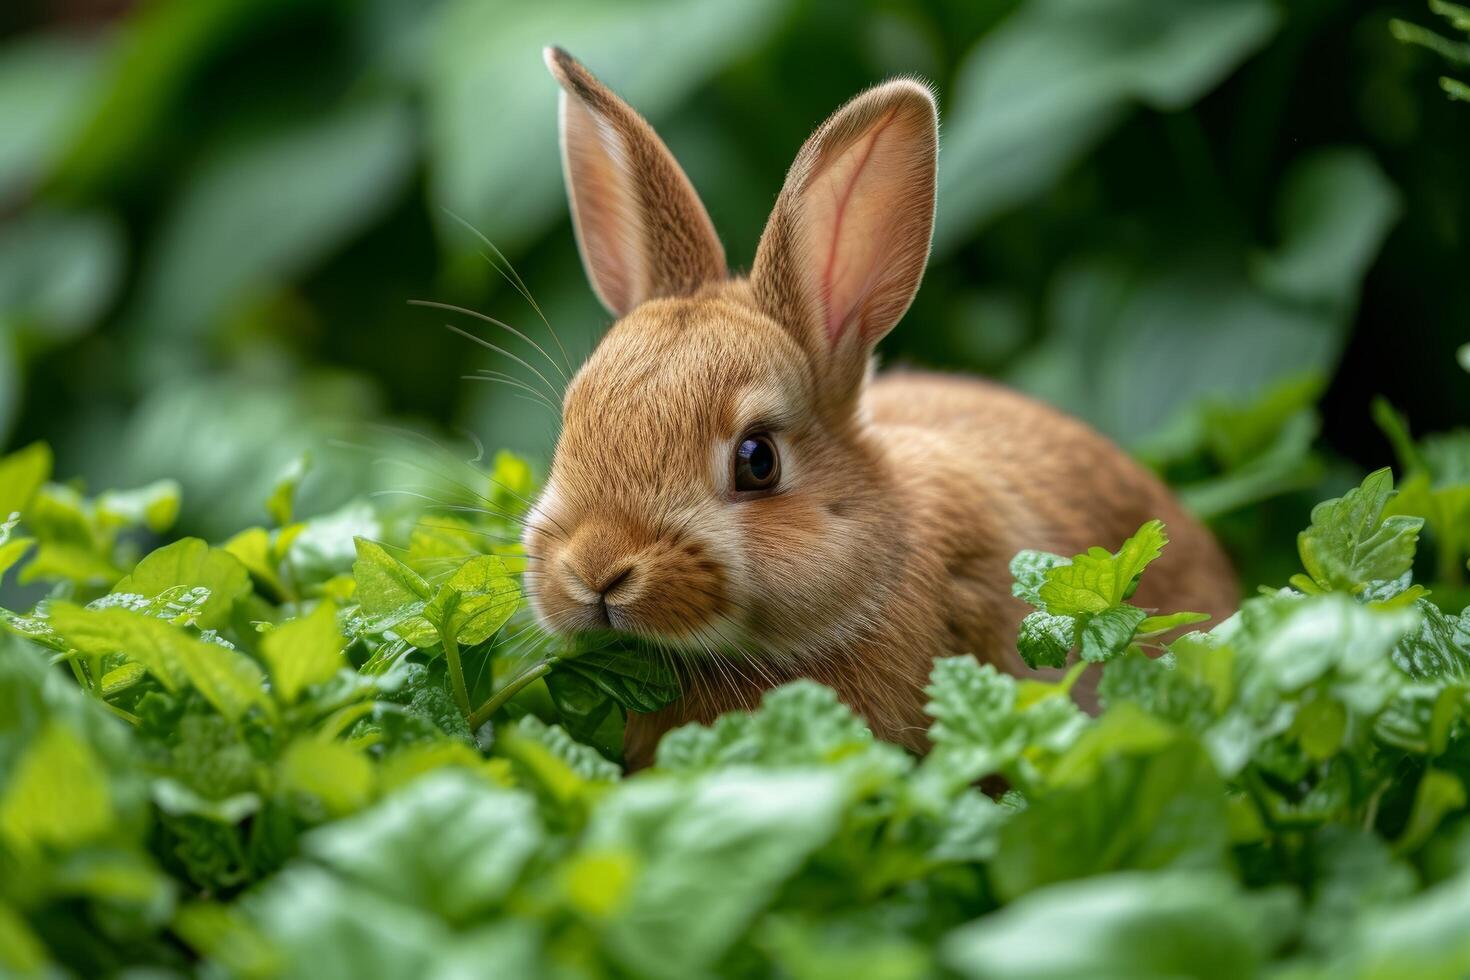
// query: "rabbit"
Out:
[733,481]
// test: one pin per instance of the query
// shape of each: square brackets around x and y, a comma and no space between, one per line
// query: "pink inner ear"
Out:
[848,218]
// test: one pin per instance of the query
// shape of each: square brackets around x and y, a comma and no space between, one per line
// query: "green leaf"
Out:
[1439,650]
[633,677]
[1109,815]
[1028,570]
[55,562]
[1045,640]
[259,210]
[155,506]
[1438,795]
[57,795]
[59,270]
[11,549]
[193,563]
[1130,924]
[554,759]
[449,842]
[706,856]
[474,602]
[1022,122]
[21,949]
[46,83]
[1352,871]
[1154,625]
[333,775]
[320,924]
[1351,545]
[228,680]
[1110,632]
[281,504]
[982,726]
[1096,580]
[21,475]
[304,651]
[119,679]
[392,595]
[800,723]
[1326,248]
[581,703]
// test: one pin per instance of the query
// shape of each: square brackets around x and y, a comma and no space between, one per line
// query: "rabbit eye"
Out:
[757,464]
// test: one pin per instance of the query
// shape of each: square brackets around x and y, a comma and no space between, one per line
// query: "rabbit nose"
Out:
[601,582]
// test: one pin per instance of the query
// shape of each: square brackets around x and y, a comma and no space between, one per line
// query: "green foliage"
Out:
[324,737]
[201,758]
[1455,52]
[1080,601]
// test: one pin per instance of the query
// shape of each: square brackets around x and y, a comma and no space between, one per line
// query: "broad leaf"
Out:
[304,651]
[191,563]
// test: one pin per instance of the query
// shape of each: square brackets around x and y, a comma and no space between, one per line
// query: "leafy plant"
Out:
[315,749]
[1456,52]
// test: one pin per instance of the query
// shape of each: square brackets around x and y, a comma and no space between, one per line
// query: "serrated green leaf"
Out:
[801,723]
[1439,650]
[229,680]
[304,651]
[1028,572]
[555,761]
[1096,580]
[1109,633]
[980,726]
[191,562]
[393,596]
[474,602]
[1350,544]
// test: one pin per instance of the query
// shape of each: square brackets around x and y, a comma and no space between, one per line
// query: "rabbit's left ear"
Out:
[641,228]
[845,247]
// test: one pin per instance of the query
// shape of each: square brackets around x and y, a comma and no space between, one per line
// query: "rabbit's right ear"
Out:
[844,250]
[640,226]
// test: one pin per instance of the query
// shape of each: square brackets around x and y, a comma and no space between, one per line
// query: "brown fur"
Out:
[902,498]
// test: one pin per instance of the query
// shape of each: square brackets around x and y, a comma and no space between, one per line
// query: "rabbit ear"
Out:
[845,247]
[642,230]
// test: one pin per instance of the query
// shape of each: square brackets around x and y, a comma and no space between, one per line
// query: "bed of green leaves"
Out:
[339,748]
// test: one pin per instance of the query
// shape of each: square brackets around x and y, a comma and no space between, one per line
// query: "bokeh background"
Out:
[1216,229]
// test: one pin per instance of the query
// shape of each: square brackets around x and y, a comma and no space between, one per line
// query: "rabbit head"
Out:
[714,485]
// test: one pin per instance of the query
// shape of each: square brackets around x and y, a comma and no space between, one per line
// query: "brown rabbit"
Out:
[733,482]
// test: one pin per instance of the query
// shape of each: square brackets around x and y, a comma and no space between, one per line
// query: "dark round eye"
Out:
[757,466]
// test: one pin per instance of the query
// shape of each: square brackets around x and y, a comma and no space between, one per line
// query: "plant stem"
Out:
[512,687]
[126,716]
[456,674]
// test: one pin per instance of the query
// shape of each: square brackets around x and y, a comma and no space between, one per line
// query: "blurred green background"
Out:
[1213,228]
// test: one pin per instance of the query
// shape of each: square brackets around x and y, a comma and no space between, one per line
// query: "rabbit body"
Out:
[734,483]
